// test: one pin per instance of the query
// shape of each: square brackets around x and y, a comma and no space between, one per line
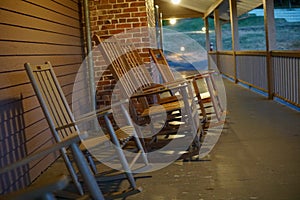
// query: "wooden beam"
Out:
[212,8]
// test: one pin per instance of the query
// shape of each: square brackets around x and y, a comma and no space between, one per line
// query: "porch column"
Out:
[218,30]
[207,39]
[207,34]
[234,34]
[270,42]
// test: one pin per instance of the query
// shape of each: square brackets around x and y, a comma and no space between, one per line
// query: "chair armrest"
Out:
[94,114]
[177,82]
[202,75]
[159,91]
[166,86]
[42,153]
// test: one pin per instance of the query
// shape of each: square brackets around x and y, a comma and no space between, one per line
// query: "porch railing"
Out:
[286,72]
[250,68]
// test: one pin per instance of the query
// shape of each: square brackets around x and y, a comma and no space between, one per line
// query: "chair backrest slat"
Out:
[162,65]
[52,100]
[125,63]
[137,65]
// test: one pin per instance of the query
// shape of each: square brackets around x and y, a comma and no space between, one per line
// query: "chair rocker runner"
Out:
[63,125]
[136,83]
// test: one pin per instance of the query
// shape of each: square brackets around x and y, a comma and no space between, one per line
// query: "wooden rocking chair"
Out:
[63,125]
[199,81]
[148,98]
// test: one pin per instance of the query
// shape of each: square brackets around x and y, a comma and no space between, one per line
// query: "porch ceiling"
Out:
[203,8]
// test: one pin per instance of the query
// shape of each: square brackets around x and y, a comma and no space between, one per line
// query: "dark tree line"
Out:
[287,3]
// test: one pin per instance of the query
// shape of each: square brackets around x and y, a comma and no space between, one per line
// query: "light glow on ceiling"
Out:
[175,1]
[173,21]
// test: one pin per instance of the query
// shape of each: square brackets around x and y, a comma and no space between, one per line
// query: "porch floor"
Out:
[256,157]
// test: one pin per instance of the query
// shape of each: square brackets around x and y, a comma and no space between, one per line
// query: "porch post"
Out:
[206,24]
[270,42]
[218,32]
[207,34]
[158,27]
[234,34]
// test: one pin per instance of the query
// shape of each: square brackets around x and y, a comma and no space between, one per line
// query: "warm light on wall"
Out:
[173,21]
[175,1]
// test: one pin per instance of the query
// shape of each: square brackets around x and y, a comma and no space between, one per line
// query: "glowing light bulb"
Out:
[175,1]
[173,21]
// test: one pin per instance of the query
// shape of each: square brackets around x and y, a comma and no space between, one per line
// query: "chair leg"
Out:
[141,149]
[135,135]
[91,162]
[214,96]
[86,173]
[199,100]
[120,153]
[190,112]
[72,171]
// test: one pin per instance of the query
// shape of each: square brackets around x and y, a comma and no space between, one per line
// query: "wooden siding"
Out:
[33,31]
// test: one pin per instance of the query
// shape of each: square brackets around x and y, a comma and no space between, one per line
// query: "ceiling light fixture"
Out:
[175,1]
[173,21]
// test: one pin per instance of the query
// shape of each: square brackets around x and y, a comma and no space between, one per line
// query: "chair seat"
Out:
[157,109]
[205,95]
[123,134]
[93,142]
[169,99]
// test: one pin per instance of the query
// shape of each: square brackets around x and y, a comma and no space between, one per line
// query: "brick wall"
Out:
[123,18]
